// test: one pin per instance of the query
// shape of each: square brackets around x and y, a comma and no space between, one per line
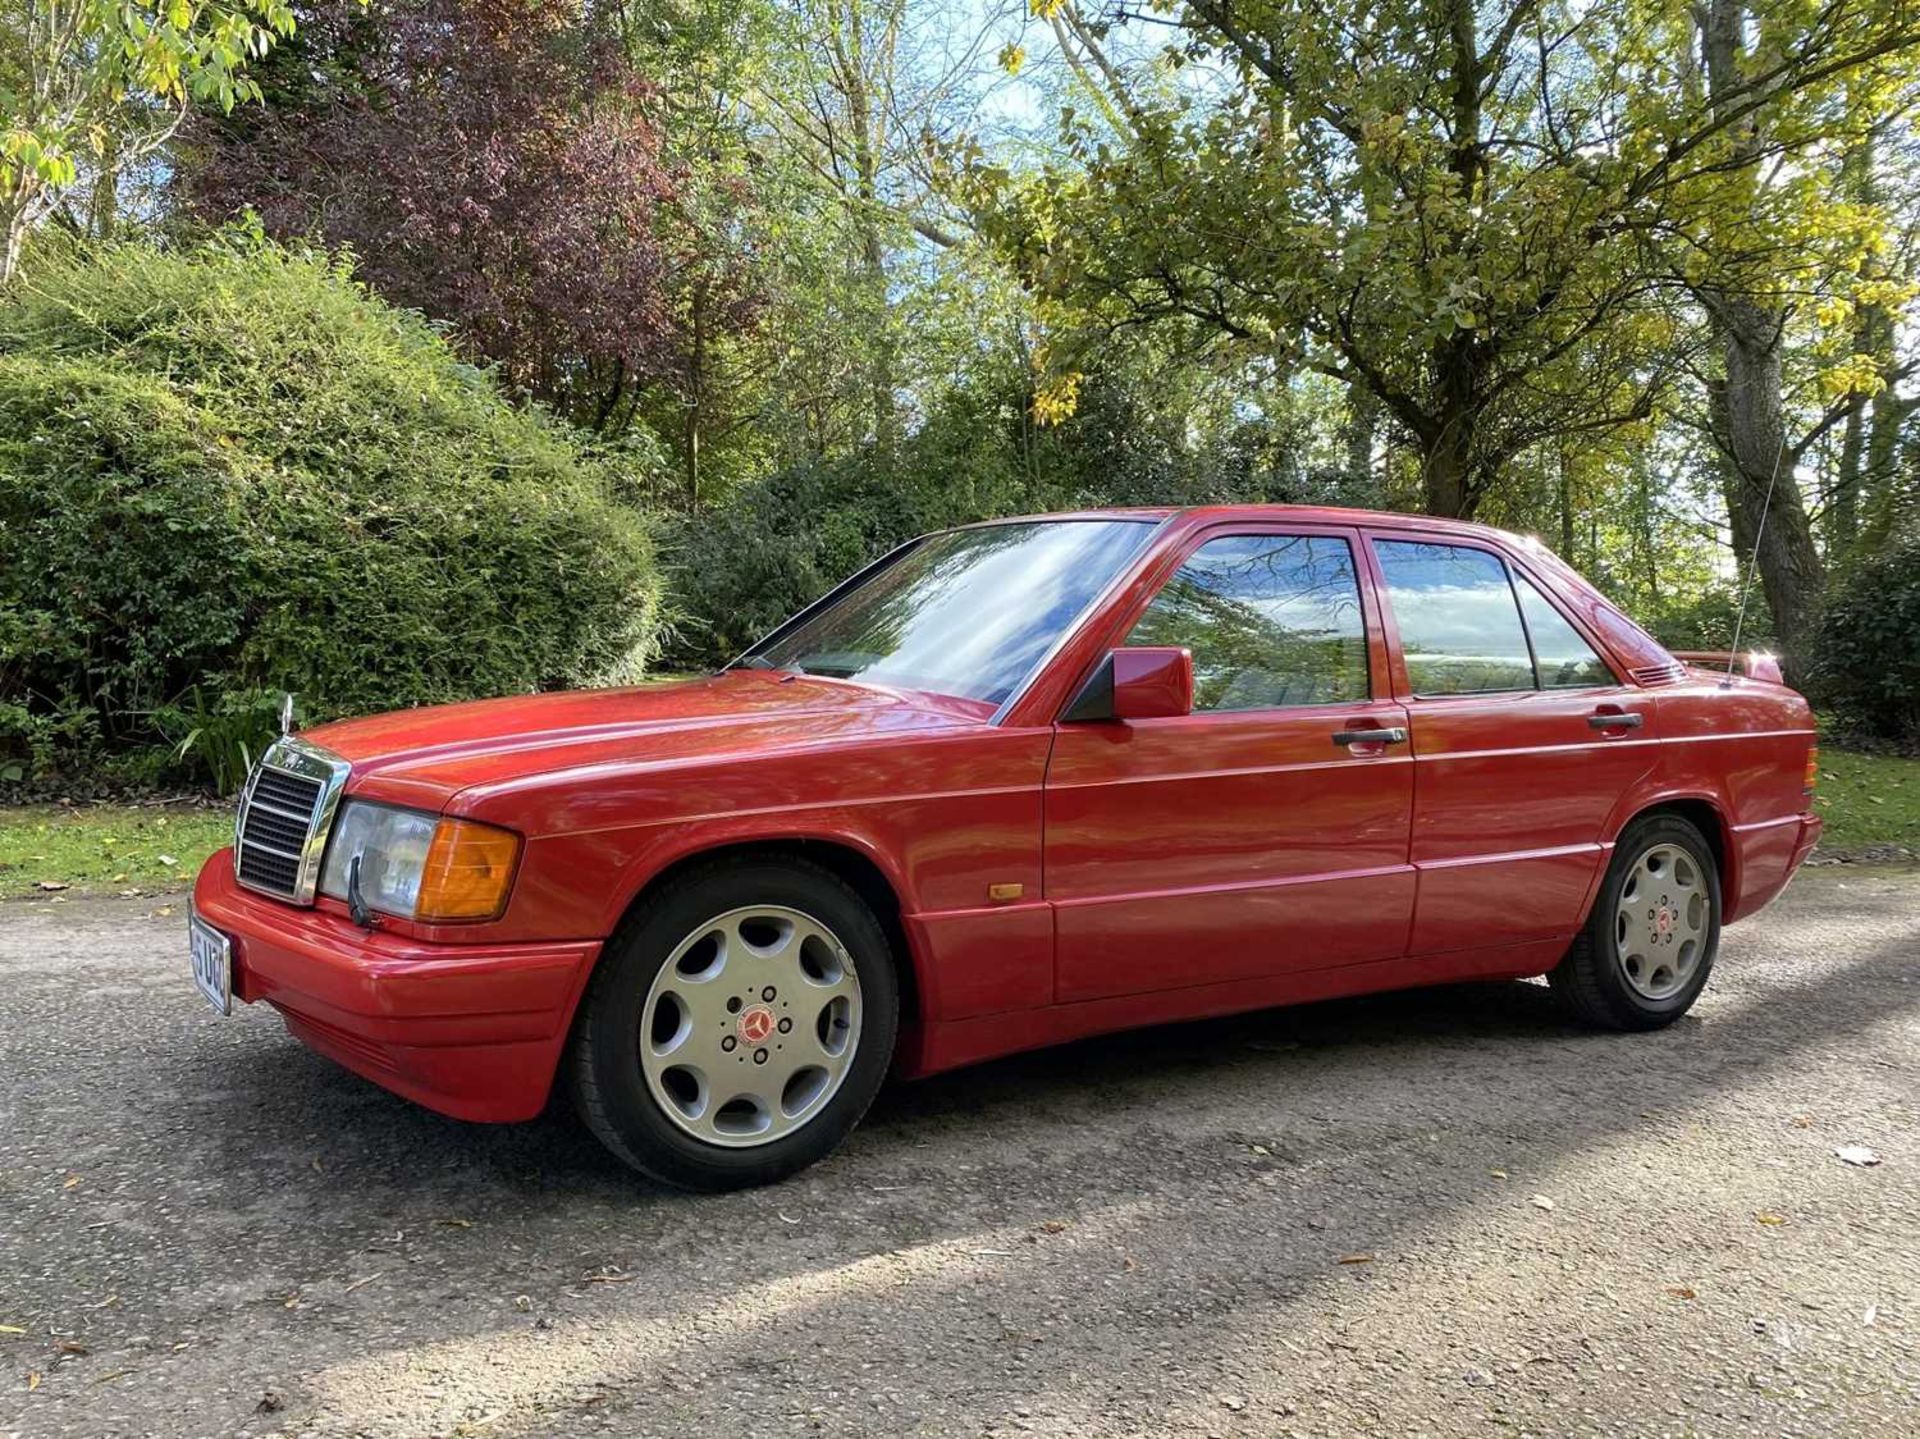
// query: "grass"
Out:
[1868,799]
[107,849]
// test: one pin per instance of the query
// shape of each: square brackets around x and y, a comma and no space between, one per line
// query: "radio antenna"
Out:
[1753,561]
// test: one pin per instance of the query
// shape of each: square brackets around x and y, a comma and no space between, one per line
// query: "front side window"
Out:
[1459,624]
[969,613]
[1272,620]
[1565,661]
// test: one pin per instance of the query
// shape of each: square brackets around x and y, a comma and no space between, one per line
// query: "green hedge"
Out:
[1866,660]
[231,470]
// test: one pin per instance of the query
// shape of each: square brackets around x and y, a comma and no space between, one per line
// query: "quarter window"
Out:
[1564,660]
[1459,624]
[1272,620]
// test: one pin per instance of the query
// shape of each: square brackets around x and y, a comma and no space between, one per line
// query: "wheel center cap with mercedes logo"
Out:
[756,1024]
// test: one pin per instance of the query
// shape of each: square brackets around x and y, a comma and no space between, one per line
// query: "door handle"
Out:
[1626,720]
[1395,735]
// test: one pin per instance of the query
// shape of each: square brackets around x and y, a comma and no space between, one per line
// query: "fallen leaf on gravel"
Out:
[1498,1173]
[1872,1313]
[1768,1217]
[73,1346]
[1681,1291]
[358,1282]
[33,1381]
[1540,1201]
[992,1253]
[1259,1149]
[611,1278]
[1354,1259]
[1233,1402]
[455,1223]
[11,1329]
[1803,1121]
[1054,1226]
[73,1182]
[1857,1154]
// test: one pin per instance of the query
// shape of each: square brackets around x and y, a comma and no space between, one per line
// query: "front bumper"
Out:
[471,1030]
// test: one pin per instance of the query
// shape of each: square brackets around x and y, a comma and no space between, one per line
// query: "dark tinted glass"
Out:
[1459,626]
[1272,620]
[968,613]
[1565,661]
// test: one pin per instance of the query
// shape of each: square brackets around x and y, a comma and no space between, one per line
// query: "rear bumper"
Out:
[474,1031]
[1767,856]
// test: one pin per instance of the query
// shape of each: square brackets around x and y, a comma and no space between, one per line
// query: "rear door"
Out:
[1524,741]
[1263,833]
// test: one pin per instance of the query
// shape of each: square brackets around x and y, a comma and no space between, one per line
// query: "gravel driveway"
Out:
[1441,1213]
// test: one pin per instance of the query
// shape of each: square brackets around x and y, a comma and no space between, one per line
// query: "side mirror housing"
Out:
[1132,684]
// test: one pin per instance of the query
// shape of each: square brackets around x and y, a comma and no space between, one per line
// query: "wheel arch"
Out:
[849,862]
[1705,814]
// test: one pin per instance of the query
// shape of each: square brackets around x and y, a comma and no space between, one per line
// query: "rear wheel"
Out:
[738,1027]
[1650,942]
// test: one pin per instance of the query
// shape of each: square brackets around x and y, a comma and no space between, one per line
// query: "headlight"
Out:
[419,866]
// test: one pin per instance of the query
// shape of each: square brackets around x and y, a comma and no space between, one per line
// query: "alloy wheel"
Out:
[750,1026]
[1661,920]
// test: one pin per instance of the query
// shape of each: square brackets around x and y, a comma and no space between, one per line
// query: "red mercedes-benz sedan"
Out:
[1012,784]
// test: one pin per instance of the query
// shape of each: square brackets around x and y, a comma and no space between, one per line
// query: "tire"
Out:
[704,1054]
[1650,942]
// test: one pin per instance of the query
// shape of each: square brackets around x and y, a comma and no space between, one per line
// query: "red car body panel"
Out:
[1051,880]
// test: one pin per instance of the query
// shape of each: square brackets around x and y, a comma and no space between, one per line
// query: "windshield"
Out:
[968,613]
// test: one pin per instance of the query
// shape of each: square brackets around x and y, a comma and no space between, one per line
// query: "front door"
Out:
[1266,832]
[1524,743]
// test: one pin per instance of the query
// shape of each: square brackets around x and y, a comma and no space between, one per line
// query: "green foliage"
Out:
[221,736]
[231,468]
[738,570]
[1867,656]
[100,83]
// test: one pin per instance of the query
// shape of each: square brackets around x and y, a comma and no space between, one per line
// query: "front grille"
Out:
[284,816]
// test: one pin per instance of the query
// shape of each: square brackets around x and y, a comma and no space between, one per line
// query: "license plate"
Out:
[212,955]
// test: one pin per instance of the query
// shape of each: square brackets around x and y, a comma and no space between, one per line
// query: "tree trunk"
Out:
[696,383]
[1765,494]
[1769,516]
[1843,507]
[1362,430]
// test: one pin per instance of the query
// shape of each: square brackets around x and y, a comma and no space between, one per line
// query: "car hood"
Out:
[424,757]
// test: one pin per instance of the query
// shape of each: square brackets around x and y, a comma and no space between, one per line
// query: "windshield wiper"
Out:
[754,662]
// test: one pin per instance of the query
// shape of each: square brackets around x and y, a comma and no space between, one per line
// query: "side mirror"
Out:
[1143,683]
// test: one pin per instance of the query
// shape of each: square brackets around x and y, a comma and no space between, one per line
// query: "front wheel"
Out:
[1650,942]
[738,1027]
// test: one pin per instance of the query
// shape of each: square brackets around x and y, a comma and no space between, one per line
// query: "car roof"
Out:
[1206,514]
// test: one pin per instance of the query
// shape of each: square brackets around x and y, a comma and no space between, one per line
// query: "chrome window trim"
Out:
[301,759]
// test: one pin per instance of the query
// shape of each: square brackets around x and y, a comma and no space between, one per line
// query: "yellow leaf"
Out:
[1768,1217]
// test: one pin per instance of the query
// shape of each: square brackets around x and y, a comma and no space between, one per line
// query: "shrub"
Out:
[1866,660]
[232,468]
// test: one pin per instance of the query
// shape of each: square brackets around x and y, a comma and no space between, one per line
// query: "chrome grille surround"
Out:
[286,812]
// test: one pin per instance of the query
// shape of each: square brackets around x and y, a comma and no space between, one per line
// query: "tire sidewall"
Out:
[1635,842]
[650,1140]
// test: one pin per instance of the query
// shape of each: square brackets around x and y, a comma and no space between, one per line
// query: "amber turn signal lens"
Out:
[468,871]
[1813,767]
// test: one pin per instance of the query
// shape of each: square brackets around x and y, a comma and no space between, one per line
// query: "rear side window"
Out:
[1459,623]
[1272,620]
[1565,661]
